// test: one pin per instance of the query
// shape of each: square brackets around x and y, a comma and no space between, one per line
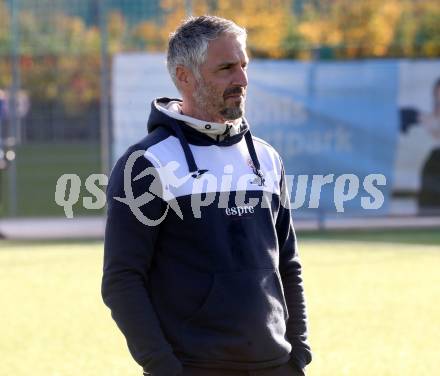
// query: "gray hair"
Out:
[188,45]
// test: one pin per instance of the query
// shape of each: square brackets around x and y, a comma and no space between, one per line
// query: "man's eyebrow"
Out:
[227,64]
[231,63]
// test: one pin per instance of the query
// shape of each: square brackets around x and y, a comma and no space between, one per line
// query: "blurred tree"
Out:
[147,35]
[153,35]
[427,37]
[60,52]
[357,29]
[56,35]
[60,58]
[406,28]
[4,29]
[418,30]
[318,26]
[5,66]
[117,31]
[294,45]
[268,23]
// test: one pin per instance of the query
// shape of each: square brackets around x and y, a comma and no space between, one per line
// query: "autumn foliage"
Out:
[60,54]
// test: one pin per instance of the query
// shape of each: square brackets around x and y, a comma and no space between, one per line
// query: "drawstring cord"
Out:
[251,148]
[192,166]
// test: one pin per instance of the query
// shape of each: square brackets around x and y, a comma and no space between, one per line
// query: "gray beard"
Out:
[227,113]
[233,113]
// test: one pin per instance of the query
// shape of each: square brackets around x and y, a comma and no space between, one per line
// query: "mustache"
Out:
[234,90]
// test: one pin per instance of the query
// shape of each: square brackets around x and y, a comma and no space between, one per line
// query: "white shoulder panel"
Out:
[221,168]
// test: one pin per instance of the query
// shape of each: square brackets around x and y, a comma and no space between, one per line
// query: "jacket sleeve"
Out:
[290,270]
[128,253]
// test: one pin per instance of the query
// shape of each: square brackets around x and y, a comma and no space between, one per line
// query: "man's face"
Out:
[220,91]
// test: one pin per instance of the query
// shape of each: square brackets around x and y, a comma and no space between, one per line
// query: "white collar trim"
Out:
[173,109]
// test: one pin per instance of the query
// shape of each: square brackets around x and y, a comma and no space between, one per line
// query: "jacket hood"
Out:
[202,134]
[189,135]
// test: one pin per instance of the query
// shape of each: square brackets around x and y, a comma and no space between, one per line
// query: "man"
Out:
[201,271]
[429,195]
[418,154]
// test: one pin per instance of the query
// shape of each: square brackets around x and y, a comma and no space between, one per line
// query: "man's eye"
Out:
[225,68]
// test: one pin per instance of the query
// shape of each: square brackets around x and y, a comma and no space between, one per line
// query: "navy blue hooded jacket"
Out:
[213,279]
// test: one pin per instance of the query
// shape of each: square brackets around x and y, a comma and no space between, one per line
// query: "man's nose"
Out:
[240,78]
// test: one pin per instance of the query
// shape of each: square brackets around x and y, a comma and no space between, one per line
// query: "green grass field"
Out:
[38,168]
[373,302]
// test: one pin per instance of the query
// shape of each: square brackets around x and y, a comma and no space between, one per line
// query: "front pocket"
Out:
[243,318]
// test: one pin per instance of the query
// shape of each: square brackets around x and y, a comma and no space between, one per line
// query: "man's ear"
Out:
[183,76]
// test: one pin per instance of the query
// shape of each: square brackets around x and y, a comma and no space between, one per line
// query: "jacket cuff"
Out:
[299,361]
[299,370]
[165,365]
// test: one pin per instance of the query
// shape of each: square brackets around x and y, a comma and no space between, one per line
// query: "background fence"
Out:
[56,61]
